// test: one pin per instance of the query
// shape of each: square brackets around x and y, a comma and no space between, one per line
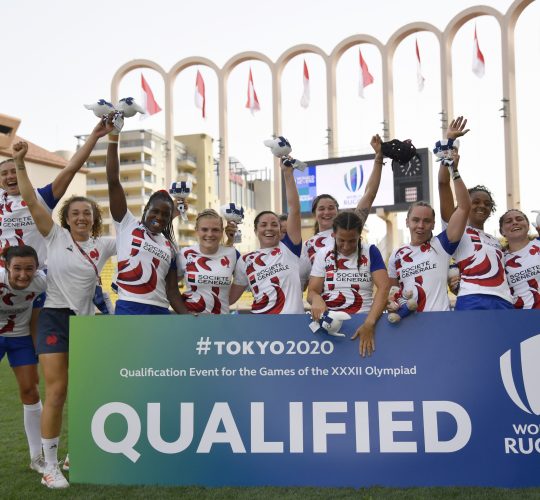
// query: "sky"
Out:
[59,55]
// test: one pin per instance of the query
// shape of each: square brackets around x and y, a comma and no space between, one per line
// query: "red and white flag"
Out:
[304,101]
[419,77]
[148,102]
[365,76]
[478,63]
[252,102]
[200,96]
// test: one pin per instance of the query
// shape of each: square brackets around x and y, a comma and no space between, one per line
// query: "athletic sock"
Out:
[50,450]
[32,422]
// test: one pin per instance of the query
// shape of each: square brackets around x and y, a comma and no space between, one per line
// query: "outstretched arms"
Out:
[42,218]
[64,178]
[294,225]
[455,129]
[117,197]
[372,186]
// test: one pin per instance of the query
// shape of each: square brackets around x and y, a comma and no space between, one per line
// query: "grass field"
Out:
[17,481]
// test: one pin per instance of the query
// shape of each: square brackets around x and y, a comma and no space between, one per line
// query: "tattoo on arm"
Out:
[363,214]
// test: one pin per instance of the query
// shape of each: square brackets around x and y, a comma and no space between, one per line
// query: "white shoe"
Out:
[65,465]
[53,478]
[38,464]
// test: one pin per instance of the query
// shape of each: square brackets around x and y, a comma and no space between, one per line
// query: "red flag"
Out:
[419,77]
[149,103]
[200,98]
[304,101]
[478,63]
[365,76]
[252,102]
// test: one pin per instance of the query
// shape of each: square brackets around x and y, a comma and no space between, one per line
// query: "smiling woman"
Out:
[479,255]
[272,272]
[207,268]
[147,276]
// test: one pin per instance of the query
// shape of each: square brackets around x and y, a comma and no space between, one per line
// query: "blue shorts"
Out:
[39,301]
[129,308]
[53,330]
[479,301]
[20,350]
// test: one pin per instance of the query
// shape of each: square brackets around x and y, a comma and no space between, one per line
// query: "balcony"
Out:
[186,162]
[96,168]
[101,185]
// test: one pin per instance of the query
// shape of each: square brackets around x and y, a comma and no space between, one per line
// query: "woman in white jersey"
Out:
[325,209]
[16,224]
[422,265]
[522,259]
[479,255]
[147,276]
[272,272]
[208,267]
[20,283]
[343,275]
[76,254]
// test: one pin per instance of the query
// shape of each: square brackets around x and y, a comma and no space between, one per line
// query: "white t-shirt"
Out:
[347,286]
[17,226]
[310,248]
[144,259]
[273,278]
[71,279]
[423,270]
[481,263]
[523,275]
[16,305]
[208,278]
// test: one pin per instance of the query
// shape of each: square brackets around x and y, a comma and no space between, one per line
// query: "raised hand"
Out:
[457,128]
[19,150]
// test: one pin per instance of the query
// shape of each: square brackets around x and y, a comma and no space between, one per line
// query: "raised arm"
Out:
[42,218]
[458,220]
[374,181]
[455,129]
[294,225]
[64,178]
[117,197]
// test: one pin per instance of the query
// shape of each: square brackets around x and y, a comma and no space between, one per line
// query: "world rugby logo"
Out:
[529,399]
[354,178]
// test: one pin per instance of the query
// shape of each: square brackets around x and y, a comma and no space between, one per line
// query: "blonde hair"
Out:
[208,212]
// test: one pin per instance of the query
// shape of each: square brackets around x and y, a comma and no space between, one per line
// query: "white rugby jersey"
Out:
[208,278]
[17,226]
[16,305]
[481,263]
[423,270]
[144,259]
[347,286]
[71,279]
[310,248]
[272,275]
[523,275]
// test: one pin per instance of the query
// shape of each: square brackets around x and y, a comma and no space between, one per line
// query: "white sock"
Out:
[50,450]
[32,421]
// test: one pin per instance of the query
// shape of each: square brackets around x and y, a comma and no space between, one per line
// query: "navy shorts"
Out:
[480,301]
[53,330]
[20,350]
[127,307]
[39,301]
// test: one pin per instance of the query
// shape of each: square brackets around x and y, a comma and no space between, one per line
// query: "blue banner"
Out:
[447,399]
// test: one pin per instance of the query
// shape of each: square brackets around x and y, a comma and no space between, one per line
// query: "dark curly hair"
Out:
[484,189]
[96,212]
